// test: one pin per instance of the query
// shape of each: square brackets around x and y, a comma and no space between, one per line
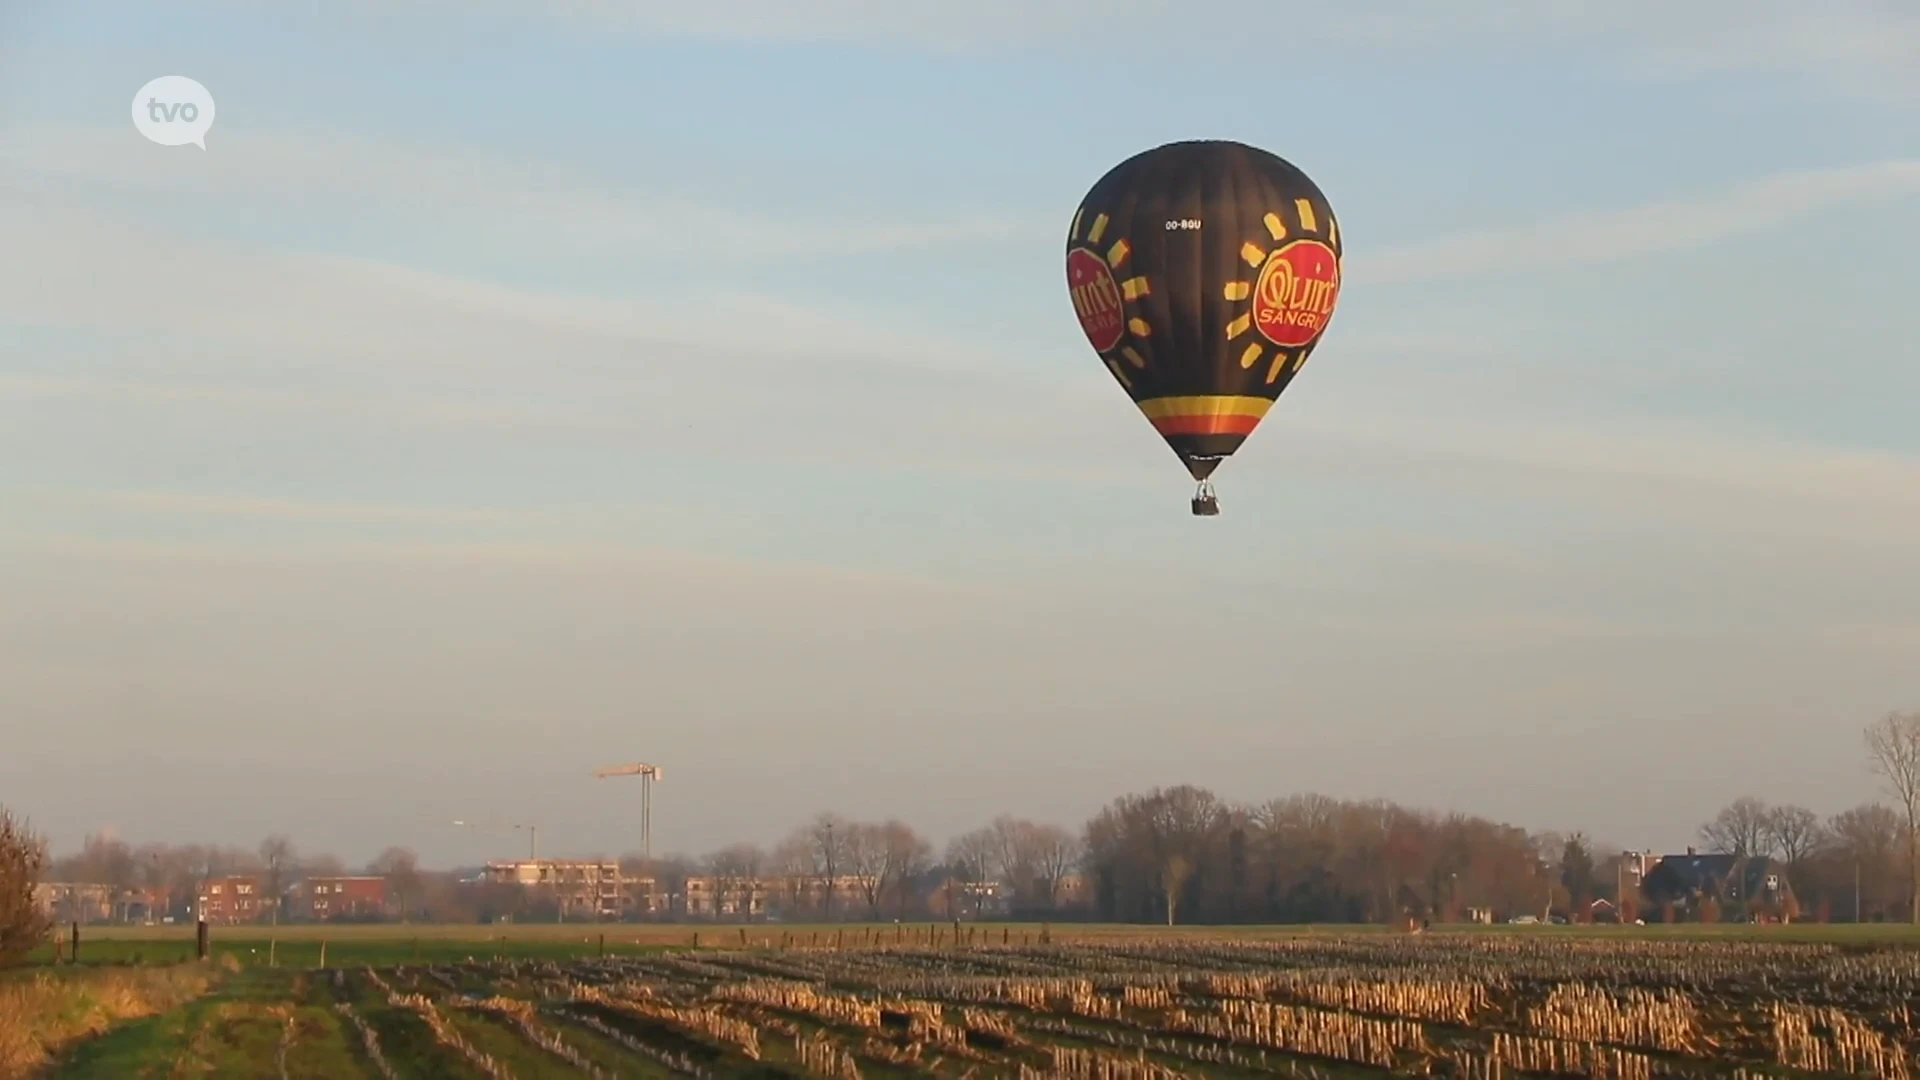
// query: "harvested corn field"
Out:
[1467,1006]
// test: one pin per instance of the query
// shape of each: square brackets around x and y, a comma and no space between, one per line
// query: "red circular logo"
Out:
[1096,299]
[1296,292]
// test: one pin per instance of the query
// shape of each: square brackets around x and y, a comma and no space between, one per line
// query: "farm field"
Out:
[1138,1005]
[384,944]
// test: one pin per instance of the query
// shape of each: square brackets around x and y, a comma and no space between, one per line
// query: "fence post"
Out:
[200,939]
[73,956]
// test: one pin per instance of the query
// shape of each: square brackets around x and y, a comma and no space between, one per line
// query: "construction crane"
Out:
[647,774]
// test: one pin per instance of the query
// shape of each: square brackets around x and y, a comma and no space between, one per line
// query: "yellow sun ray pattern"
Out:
[1132,288]
[1235,291]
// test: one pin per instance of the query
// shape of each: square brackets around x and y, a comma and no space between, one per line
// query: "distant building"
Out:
[711,896]
[1754,884]
[79,902]
[984,899]
[803,895]
[231,900]
[720,896]
[145,905]
[86,902]
[1632,870]
[580,888]
[1073,891]
[324,898]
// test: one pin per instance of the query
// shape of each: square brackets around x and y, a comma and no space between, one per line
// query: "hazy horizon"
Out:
[500,396]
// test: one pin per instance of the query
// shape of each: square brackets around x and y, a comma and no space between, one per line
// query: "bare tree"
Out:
[1015,852]
[735,870]
[1057,853]
[908,856]
[283,864]
[829,836]
[795,860]
[1740,828]
[402,870]
[1894,743]
[971,856]
[1866,843]
[865,851]
[23,855]
[1794,832]
[104,859]
[322,866]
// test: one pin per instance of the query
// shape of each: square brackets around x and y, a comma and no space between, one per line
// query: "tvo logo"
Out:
[174,110]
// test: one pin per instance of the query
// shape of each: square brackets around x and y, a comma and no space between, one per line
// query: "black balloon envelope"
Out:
[1204,274]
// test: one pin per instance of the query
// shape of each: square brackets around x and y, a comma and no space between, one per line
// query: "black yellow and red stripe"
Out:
[1205,414]
[1204,428]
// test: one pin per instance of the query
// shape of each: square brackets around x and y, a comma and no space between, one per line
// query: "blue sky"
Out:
[510,390]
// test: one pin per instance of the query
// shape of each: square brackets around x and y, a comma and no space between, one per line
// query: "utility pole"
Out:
[1856,889]
[647,774]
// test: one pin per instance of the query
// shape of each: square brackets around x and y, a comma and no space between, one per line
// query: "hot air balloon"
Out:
[1204,273]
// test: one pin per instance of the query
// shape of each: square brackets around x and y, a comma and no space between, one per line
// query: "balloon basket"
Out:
[1205,504]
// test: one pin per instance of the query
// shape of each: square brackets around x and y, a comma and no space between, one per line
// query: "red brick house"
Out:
[231,900]
[323,898]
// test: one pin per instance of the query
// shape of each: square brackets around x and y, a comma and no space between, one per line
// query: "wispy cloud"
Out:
[1670,225]
[326,334]
[689,569]
[190,504]
[1868,45]
[536,204]
[114,275]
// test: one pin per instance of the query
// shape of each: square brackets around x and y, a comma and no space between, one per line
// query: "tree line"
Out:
[1177,854]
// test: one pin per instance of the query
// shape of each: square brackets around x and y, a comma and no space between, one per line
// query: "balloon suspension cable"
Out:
[1205,504]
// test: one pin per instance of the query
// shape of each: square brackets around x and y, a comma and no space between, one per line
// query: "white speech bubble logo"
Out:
[174,110]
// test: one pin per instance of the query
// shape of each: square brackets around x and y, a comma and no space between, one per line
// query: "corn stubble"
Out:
[1321,1007]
